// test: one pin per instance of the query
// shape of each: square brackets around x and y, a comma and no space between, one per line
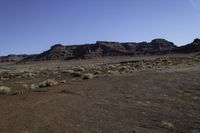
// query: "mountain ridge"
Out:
[101,49]
[105,48]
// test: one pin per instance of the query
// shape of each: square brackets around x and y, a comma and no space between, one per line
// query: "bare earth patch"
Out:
[158,95]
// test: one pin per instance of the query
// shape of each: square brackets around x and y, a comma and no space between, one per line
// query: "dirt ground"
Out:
[149,100]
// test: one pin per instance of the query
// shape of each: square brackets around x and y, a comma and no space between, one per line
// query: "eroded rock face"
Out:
[162,44]
[57,51]
[102,48]
[106,48]
[12,58]
[196,42]
[189,48]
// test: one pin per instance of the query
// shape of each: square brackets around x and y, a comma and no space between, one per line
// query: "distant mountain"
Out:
[101,49]
[105,48]
[12,58]
[189,48]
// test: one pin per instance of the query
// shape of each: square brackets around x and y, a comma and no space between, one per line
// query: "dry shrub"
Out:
[48,83]
[33,86]
[76,74]
[167,124]
[78,68]
[124,69]
[25,86]
[4,90]
[88,76]
[63,81]
[68,71]
[112,72]
[97,72]
[28,75]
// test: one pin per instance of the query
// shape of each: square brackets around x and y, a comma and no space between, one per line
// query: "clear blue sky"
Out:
[32,26]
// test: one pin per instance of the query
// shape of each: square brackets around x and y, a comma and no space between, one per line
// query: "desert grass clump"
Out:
[33,86]
[18,77]
[25,86]
[112,66]
[97,72]
[48,83]
[170,62]
[131,71]
[4,78]
[4,90]
[140,65]
[112,72]
[167,124]
[63,81]
[74,80]
[149,65]
[76,74]
[88,76]
[28,75]
[137,66]
[124,69]
[78,68]
[68,71]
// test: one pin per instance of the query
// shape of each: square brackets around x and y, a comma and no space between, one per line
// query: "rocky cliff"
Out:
[105,48]
[12,58]
[101,49]
[189,48]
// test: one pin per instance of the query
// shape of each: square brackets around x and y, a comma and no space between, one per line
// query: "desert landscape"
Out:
[99,66]
[102,88]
